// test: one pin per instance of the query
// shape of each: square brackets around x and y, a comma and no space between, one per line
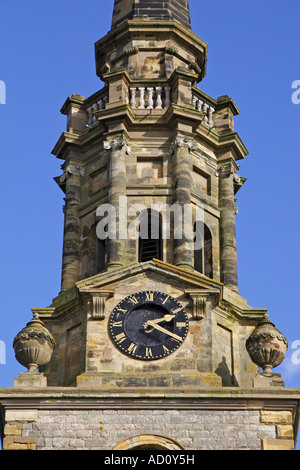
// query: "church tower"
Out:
[149,344]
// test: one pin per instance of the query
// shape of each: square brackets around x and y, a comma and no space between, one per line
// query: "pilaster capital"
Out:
[117,144]
[72,169]
[183,142]
[228,169]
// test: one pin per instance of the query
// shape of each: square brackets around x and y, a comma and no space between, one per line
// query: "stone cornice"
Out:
[217,398]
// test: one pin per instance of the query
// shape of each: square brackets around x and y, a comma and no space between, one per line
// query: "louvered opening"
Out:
[150,241]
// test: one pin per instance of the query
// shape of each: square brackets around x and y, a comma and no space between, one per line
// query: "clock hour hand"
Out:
[163,330]
[167,318]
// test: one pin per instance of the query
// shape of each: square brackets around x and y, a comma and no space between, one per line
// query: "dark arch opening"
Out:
[203,251]
[150,236]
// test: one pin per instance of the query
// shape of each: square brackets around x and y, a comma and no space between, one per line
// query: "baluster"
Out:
[150,98]
[105,100]
[101,104]
[95,108]
[199,105]
[142,98]
[210,116]
[158,98]
[133,97]
[195,99]
[168,97]
[205,108]
[90,114]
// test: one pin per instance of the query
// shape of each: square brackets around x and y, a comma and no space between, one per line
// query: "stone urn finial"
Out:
[266,346]
[34,345]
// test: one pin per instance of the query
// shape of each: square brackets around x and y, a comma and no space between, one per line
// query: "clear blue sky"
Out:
[47,53]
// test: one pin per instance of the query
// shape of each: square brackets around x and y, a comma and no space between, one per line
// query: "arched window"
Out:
[203,250]
[148,441]
[100,255]
[150,236]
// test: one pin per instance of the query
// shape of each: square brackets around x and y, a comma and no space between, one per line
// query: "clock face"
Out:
[148,325]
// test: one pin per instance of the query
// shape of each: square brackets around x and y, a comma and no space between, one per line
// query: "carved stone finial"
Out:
[266,346]
[34,345]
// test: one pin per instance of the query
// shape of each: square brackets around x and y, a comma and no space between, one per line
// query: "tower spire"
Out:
[166,10]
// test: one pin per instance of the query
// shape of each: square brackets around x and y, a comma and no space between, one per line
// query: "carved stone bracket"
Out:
[97,304]
[200,302]
[116,144]
[72,170]
[181,142]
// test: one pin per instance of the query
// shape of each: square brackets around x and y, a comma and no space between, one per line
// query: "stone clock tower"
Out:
[149,344]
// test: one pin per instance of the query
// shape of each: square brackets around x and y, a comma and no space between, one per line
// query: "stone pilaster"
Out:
[228,248]
[117,192]
[183,235]
[71,245]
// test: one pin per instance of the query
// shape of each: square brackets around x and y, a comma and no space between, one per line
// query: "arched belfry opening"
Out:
[150,243]
[203,260]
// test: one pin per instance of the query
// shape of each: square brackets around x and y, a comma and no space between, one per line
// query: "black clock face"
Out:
[148,325]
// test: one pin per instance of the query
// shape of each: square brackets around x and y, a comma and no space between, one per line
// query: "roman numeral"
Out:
[177,310]
[117,324]
[121,310]
[166,350]
[166,299]
[133,300]
[149,352]
[149,296]
[132,348]
[180,324]
[121,337]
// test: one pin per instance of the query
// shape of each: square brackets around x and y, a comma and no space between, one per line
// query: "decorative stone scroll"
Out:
[200,302]
[72,170]
[228,169]
[97,304]
[182,142]
[116,144]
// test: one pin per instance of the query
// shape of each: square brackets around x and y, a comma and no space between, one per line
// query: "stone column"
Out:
[116,195]
[228,250]
[183,246]
[71,244]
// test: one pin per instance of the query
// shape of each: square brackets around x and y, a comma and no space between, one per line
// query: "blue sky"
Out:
[47,53]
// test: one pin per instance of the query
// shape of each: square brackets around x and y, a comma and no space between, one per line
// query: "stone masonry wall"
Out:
[105,429]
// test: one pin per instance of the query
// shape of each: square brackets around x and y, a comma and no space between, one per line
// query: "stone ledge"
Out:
[278,444]
[19,443]
[276,417]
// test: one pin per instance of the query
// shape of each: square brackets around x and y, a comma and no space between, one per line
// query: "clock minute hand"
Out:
[163,330]
[166,318]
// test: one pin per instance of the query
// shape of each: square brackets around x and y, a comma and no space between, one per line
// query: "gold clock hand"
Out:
[163,330]
[167,318]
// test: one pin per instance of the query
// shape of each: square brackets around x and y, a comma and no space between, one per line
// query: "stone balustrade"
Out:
[100,104]
[201,105]
[150,97]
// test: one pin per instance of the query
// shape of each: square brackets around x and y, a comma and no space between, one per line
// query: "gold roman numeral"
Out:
[121,337]
[133,299]
[121,310]
[149,352]
[149,296]
[177,310]
[180,324]
[132,348]
[166,350]
[166,299]
[117,324]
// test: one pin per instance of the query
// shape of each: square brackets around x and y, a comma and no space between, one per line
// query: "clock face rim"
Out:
[159,301]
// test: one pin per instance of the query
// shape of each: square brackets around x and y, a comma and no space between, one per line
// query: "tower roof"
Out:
[166,10]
